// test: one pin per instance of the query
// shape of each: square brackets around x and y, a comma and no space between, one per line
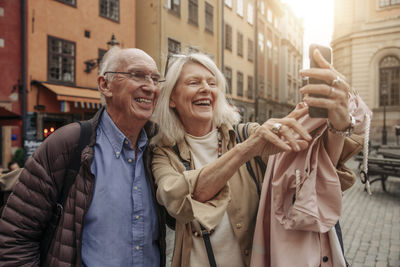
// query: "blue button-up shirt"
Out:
[121,225]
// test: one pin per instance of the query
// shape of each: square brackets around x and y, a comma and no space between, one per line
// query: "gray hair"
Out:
[110,62]
[171,130]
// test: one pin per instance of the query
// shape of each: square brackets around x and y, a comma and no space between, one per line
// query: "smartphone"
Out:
[317,112]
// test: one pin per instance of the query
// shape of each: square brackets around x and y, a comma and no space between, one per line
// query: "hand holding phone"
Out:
[317,112]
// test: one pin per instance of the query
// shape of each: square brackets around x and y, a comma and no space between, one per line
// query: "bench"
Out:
[381,167]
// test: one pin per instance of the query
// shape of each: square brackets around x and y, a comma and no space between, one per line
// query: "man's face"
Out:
[133,96]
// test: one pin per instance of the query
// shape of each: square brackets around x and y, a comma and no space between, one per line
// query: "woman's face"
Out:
[194,98]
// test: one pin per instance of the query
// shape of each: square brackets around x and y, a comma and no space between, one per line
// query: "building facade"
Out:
[239,55]
[366,49]
[65,41]
[10,76]
[166,27]
[267,72]
[291,57]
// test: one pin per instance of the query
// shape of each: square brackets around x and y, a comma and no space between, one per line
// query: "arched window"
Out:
[389,81]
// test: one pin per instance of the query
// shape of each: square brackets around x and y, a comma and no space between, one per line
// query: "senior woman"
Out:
[214,193]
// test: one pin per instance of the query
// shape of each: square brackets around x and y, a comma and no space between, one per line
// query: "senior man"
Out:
[111,216]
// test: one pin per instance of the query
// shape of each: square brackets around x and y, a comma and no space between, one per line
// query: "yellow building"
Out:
[239,54]
[268,103]
[173,26]
[366,49]
[291,60]
[65,39]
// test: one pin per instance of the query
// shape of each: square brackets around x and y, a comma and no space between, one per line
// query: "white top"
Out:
[225,245]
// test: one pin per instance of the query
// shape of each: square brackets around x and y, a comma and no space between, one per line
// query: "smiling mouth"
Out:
[143,100]
[202,103]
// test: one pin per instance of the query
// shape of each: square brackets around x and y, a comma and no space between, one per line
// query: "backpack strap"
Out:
[257,158]
[75,163]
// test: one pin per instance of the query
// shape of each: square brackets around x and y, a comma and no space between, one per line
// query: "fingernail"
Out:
[309,137]
[297,147]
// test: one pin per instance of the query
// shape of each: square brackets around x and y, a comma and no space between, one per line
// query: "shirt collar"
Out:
[116,137]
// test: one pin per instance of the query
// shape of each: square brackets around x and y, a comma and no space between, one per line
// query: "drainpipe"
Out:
[221,38]
[256,60]
[23,71]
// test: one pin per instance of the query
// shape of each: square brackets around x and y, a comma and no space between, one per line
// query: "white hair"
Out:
[110,62]
[171,130]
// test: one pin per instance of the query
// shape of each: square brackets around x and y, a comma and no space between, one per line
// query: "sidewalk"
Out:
[371,224]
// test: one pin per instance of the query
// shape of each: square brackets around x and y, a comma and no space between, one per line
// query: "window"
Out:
[193,12]
[269,15]
[228,77]
[389,80]
[68,2]
[209,10]
[239,7]
[61,60]
[250,50]
[174,47]
[250,89]
[175,6]
[109,9]
[240,44]
[262,8]
[269,48]
[192,50]
[261,41]
[276,55]
[228,3]
[250,13]
[239,83]
[228,37]
[386,3]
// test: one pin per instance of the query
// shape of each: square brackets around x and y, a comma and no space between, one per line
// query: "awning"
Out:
[74,94]
[8,118]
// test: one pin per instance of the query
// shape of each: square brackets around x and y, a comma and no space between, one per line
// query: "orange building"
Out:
[65,41]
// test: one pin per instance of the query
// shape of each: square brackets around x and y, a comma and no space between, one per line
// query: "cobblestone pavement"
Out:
[371,224]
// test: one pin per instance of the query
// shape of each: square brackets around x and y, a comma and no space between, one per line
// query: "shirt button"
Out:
[325,259]
[129,160]
[136,187]
[137,217]
[246,252]
[238,225]
[126,142]
[137,247]
[117,153]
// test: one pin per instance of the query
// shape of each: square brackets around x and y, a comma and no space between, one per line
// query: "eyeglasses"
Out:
[176,56]
[139,76]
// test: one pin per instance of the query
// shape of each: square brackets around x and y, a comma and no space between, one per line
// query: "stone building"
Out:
[366,49]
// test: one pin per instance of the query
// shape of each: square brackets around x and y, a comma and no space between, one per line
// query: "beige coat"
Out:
[175,186]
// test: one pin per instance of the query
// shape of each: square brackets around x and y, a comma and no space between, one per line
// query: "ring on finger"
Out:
[276,127]
[336,81]
[331,91]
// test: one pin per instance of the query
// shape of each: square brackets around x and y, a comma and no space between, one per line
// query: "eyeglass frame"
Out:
[170,55]
[133,73]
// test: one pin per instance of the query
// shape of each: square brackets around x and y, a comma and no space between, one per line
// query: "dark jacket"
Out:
[31,205]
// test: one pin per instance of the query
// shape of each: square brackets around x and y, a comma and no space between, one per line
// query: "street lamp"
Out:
[384,132]
[93,63]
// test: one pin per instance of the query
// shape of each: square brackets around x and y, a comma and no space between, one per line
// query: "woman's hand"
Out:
[337,92]
[276,135]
